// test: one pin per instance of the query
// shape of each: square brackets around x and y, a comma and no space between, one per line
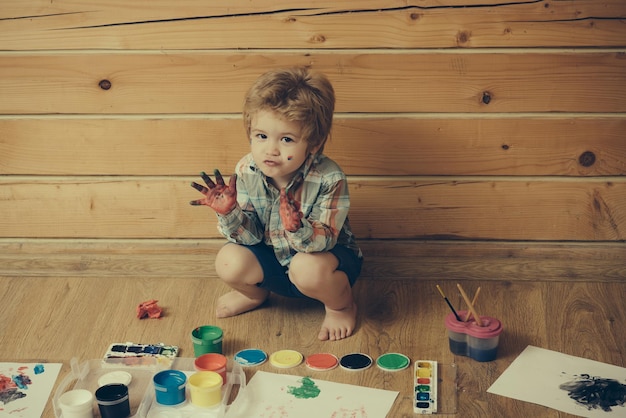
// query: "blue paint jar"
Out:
[169,386]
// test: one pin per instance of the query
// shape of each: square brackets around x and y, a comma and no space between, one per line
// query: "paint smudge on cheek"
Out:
[594,392]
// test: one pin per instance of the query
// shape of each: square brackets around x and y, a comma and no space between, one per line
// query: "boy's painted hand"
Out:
[290,213]
[221,198]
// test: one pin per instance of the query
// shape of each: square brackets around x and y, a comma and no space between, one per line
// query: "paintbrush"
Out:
[479,321]
[467,316]
[449,304]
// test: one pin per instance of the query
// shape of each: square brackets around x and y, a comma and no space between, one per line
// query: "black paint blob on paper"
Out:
[595,392]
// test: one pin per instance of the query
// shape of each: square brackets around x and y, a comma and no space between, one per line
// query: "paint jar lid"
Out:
[492,327]
[322,361]
[117,376]
[355,361]
[285,359]
[393,362]
[250,357]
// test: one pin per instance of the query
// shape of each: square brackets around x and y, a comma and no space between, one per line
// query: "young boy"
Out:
[285,211]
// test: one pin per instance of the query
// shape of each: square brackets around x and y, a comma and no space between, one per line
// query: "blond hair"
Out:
[297,94]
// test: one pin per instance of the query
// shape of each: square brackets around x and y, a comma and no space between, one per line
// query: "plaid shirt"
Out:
[324,200]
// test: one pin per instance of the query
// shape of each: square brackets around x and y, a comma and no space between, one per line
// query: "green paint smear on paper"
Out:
[308,389]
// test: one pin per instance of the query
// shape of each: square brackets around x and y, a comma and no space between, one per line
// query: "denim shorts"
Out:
[276,279]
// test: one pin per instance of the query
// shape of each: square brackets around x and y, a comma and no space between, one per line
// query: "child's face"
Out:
[277,146]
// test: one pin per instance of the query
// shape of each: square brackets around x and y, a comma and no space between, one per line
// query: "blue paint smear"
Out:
[21,381]
[39,369]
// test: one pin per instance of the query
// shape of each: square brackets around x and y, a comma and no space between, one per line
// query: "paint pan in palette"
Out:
[425,383]
[149,356]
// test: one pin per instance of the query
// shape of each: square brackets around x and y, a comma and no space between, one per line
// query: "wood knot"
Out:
[587,159]
[487,96]
[463,37]
[104,84]
[318,39]
[415,16]
[505,147]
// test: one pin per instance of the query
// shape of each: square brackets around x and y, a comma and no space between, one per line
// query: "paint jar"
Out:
[113,401]
[212,362]
[76,403]
[205,389]
[169,387]
[471,340]
[207,339]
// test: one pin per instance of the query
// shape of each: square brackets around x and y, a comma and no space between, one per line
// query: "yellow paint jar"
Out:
[205,388]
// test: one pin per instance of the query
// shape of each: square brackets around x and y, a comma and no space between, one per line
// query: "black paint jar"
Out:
[113,401]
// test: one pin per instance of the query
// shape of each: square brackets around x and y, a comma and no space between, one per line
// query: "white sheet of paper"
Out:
[30,400]
[277,395]
[537,374]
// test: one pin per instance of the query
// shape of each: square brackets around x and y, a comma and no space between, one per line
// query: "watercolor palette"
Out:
[425,383]
[140,355]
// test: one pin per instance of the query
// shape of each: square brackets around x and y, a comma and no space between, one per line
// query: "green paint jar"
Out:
[207,339]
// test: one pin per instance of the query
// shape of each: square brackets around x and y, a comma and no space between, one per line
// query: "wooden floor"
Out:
[58,317]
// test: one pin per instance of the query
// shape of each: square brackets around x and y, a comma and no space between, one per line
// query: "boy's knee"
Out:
[237,265]
[308,271]
[230,263]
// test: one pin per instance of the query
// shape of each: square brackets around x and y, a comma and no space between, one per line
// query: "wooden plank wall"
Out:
[464,124]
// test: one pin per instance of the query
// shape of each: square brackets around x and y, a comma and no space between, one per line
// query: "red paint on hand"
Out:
[217,195]
[290,213]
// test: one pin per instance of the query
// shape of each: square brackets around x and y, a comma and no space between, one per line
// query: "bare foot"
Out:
[234,303]
[338,324]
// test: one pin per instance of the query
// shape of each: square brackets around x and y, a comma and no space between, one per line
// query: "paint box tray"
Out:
[86,375]
[141,391]
[235,383]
